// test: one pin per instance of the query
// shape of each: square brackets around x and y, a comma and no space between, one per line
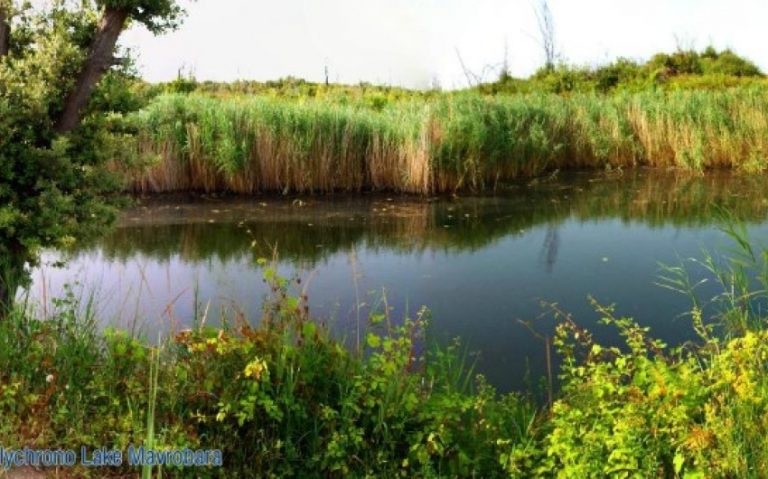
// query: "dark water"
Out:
[481,265]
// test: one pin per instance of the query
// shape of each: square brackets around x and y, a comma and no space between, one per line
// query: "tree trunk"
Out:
[12,275]
[6,298]
[99,60]
[5,33]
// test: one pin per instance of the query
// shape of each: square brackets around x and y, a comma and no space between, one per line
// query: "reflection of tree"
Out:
[314,229]
[550,247]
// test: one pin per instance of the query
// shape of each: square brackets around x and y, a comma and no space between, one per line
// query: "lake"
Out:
[480,264]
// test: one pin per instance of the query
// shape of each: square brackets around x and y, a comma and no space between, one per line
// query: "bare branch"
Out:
[120,62]
[546,25]
[472,79]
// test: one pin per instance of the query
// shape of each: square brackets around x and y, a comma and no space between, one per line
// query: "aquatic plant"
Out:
[462,141]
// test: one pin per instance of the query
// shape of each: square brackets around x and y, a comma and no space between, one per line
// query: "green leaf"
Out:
[678,462]
[309,329]
[373,341]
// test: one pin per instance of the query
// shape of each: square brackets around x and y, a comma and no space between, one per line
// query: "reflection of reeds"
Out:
[465,141]
[321,228]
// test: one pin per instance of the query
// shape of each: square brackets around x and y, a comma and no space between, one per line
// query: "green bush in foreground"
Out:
[284,399]
[280,400]
[650,411]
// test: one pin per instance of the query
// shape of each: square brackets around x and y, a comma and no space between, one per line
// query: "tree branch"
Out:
[547,31]
[99,60]
[5,32]
[119,61]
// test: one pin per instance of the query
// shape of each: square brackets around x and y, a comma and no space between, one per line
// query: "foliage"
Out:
[280,399]
[54,190]
[718,68]
[157,16]
[650,411]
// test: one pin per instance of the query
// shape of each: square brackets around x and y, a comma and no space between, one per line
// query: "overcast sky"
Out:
[414,42]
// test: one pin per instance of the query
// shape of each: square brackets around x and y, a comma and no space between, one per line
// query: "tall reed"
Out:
[447,143]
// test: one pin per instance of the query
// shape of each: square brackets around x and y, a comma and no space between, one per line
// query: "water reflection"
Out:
[550,247]
[480,264]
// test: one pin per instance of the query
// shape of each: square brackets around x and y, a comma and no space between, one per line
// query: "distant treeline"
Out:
[689,69]
[708,69]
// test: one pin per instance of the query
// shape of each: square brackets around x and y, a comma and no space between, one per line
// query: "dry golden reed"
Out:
[452,142]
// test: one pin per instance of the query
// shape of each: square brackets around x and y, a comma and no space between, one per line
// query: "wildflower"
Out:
[184,336]
[49,379]
[255,368]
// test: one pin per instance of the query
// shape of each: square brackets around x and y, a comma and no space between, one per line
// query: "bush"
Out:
[281,399]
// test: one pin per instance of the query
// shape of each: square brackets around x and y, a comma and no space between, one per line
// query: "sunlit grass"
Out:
[446,143]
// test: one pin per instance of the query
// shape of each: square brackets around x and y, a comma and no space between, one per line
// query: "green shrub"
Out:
[281,399]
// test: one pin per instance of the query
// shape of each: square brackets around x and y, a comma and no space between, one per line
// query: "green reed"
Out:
[461,141]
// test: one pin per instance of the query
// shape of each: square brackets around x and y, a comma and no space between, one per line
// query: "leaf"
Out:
[292,302]
[678,462]
[309,330]
[373,341]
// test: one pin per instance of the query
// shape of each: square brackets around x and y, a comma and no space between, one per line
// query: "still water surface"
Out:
[481,265]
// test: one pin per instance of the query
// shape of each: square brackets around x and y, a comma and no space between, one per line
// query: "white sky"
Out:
[413,42]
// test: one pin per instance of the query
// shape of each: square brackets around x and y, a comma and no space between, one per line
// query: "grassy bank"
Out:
[284,399]
[443,143]
[279,400]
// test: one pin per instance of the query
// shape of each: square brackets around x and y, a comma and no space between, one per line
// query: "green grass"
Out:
[442,143]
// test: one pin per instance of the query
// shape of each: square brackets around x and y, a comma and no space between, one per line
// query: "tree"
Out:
[546,24]
[156,15]
[57,124]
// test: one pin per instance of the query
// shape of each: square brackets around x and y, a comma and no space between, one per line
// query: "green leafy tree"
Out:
[60,105]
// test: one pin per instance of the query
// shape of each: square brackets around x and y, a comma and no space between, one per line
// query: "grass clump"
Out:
[462,141]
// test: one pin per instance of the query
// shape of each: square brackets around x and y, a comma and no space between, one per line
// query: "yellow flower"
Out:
[255,368]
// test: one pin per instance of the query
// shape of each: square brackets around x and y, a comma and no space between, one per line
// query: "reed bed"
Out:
[452,142]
